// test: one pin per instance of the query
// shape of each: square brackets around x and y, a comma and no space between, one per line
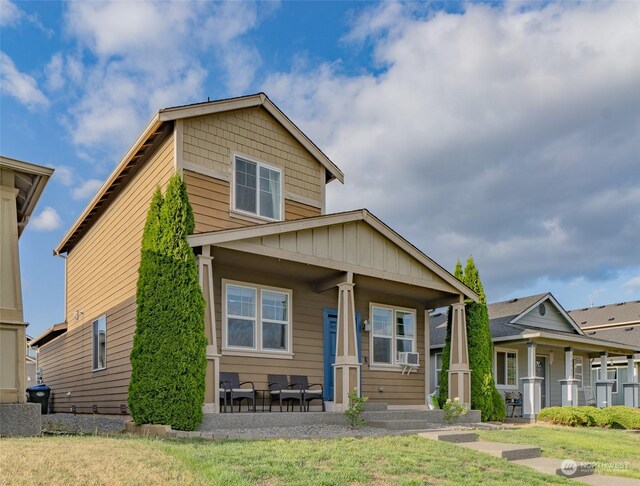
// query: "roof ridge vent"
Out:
[612,318]
[513,300]
[621,303]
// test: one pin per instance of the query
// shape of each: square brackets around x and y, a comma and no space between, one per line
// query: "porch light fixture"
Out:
[366,325]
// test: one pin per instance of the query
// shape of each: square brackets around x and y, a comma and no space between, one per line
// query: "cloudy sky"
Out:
[509,131]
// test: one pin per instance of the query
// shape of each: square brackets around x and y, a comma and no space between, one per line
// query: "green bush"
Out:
[499,411]
[618,417]
[353,413]
[169,348]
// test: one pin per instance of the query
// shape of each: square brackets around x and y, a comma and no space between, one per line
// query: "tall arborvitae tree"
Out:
[443,389]
[480,345]
[484,395]
[170,344]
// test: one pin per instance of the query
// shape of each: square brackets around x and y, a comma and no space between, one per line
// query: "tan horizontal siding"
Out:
[297,210]
[102,269]
[210,141]
[210,199]
[67,361]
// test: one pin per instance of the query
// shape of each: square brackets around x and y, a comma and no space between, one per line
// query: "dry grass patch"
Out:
[88,461]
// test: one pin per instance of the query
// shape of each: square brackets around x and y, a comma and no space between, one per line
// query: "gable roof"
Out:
[30,180]
[159,129]
[505,318]
[222,237]
[612,315]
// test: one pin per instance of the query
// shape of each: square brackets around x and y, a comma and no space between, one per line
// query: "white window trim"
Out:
[436,377]
[577,359]
[259,163]
[495,368]
[93,346]
[615,379]
[257,351]
[394,366]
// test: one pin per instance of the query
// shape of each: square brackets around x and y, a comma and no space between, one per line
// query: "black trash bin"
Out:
[39,394]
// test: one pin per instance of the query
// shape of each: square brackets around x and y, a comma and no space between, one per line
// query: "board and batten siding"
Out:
[67,363]
[552,319]
[352,246]
[308,342]
[102,269]
[210,199]
[210,141]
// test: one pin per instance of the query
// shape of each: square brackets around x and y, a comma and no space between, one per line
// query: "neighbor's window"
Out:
[100,343]
[506,368]
[257,318]
[578,371]
[258,189]
[393,332]
[438,369]
[612,374]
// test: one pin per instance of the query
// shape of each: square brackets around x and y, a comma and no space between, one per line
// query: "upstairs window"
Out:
[258,189]
[100,343]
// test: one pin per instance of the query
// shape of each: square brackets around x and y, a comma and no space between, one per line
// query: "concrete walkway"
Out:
[530,456]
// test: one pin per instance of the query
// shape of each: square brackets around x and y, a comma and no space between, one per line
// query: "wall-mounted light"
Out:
[77,315]
[366,325]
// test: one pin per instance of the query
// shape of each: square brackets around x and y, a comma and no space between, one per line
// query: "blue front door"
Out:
[330,322]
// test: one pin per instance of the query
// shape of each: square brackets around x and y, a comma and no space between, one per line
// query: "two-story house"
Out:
[289,289]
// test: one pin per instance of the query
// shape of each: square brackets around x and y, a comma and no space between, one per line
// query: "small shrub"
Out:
[355,409]
[453,410]
[499,411]
[618,417]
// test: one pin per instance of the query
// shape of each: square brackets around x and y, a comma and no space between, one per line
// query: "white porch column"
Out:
[631,387]
[531,386]
[459,372]
[569,385]
[346,370]
[604,386]
[212,394]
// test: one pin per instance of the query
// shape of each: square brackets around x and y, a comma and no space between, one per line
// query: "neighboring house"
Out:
[614,322]
[31,365]
[21,185]
[289,289]
[538,349]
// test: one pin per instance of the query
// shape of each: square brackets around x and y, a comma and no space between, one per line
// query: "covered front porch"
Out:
[337,300]
[551,370]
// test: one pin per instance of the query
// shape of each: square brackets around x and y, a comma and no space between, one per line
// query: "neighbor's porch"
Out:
[551,371]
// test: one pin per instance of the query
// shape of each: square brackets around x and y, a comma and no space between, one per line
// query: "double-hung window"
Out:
[100,343]
[257,189]
[257,318]
[506,368]
[393,332]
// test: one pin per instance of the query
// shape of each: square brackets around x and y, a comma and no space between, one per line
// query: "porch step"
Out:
[400,424]
[551,465]
[429,416]
[375,407]
[455,437]
[510,452]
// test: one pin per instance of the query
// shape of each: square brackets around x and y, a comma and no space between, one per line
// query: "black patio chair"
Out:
[231,390]
[281,391]
[514,400]
[307,394]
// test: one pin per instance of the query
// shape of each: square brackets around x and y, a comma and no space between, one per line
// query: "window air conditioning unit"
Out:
[410,361]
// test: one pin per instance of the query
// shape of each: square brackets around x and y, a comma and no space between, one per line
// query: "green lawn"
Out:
[616,451]
[126,460]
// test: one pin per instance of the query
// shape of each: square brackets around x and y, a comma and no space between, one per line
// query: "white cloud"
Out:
[86,189]
[21,86]
[54,72]
[510,133]
[64,174]
[9,14]
[129,72]
[633,283]
[47,220]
